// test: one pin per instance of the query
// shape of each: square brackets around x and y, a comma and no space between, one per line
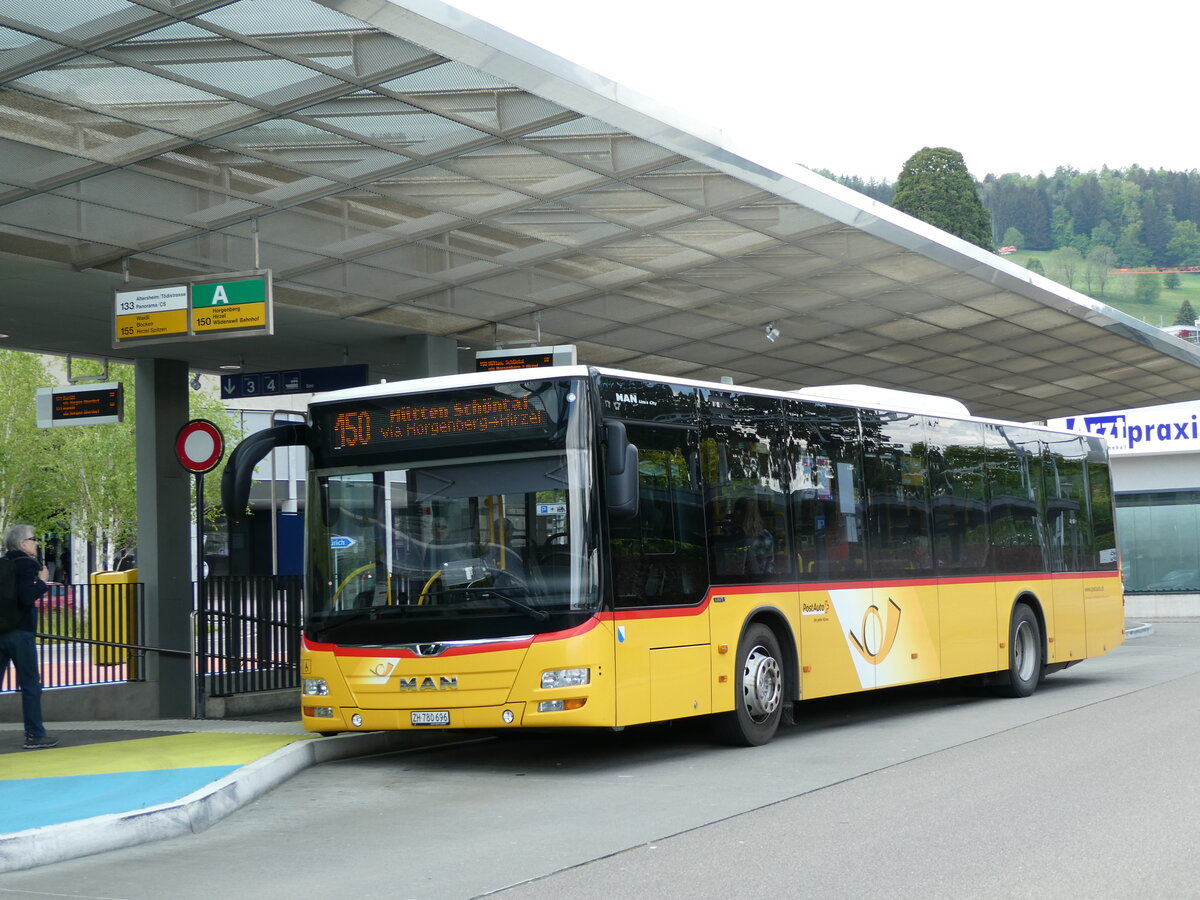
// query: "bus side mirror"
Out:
[235,483]
[621,473]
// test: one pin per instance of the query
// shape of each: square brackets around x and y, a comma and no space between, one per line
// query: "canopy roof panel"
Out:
[403,168]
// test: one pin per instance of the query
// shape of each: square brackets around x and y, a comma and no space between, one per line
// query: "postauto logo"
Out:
[1155,429]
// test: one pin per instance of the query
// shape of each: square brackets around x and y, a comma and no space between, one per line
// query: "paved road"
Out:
[1086,788]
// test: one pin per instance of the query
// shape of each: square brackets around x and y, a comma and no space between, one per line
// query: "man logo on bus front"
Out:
[870,647]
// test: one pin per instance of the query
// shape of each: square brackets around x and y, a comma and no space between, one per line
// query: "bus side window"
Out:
[826,491]
[658,556]
[742,458]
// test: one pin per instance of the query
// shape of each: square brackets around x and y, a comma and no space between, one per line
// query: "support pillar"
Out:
[429,354]
[164,529]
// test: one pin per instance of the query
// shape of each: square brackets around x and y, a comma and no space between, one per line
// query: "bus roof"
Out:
[861,396]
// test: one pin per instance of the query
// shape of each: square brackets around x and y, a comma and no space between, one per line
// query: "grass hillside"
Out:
[1118,292]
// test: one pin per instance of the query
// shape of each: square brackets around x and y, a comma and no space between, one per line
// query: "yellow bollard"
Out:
[110,615]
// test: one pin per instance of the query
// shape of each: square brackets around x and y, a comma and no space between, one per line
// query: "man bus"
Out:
[567,546]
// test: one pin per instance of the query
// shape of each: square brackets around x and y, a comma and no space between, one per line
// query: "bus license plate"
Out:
[431,717]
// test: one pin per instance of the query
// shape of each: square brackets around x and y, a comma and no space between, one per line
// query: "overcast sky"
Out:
[858,87]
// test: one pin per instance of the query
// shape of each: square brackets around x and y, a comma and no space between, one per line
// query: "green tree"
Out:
[1130,250]
[1013,238]
[1146,287]
[1103,234]
[1065,264]
[1062,227]
[25,450]
[95,472]
[1186,315]
[936,187]
[1183,249]
[1035,265]
[1171,281]
[1100,261]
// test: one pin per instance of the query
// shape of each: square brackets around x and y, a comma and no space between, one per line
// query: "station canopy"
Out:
[404,169]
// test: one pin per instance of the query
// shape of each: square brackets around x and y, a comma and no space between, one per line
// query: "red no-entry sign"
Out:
[199,446]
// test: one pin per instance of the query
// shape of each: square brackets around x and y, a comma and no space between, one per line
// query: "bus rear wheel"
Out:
[1026,660]
[758,691]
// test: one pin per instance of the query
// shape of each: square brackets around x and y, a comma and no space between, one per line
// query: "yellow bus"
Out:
[582,547]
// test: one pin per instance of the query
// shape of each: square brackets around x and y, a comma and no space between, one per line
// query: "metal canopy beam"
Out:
[405,169]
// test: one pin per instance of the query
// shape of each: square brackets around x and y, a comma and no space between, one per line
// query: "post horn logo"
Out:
[878,635]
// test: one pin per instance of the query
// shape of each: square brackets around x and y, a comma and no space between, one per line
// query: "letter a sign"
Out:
[231,305]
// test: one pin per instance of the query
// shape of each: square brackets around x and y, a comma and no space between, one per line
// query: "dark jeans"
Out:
[21,647]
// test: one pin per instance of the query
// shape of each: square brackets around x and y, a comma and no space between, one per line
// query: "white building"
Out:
[1155,455]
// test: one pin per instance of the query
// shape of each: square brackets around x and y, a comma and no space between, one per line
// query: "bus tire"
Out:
[1026,659]
[758,691]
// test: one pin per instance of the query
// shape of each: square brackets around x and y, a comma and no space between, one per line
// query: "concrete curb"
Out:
[193,813]
[1141,630]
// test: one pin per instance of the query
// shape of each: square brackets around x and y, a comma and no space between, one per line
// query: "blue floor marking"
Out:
[36,802]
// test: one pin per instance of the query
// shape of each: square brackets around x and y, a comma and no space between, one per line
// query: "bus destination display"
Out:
[375,424]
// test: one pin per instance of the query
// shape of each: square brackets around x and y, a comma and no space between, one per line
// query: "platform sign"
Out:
[232,305]
[292,381]
[80,404]
[157,312]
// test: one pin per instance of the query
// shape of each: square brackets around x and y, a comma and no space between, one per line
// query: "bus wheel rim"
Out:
[762,684]
[1023,653]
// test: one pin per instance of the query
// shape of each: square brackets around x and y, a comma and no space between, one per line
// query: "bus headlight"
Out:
[315,687]
[560,678]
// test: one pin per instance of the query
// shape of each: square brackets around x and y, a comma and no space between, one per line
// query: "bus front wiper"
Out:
[355,616]
[539,614]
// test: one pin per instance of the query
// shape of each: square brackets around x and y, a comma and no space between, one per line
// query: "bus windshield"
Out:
[475,547]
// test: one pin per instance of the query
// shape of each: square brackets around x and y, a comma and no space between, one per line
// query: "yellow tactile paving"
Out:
[173,751]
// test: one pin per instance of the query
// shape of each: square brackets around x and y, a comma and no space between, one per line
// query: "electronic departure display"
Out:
[94,404]
[456,417]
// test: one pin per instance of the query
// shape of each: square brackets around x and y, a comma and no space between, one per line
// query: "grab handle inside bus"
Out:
[621,470]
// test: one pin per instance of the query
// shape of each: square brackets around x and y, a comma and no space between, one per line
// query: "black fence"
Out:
[247,628]
[249,633]
[89,634]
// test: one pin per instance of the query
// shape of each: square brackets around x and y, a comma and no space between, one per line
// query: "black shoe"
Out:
[45,742]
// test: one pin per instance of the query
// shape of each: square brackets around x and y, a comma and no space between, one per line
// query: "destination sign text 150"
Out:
[375,424]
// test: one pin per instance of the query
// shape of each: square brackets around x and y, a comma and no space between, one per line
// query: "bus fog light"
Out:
[507,716]
[316,687]
[356,720]
[319,712]
[561,705]
[559,678]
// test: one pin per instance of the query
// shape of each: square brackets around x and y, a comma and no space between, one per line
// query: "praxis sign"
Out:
[1174,428]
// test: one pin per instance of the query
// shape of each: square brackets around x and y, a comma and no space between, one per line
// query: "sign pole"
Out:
[201,603]
[199,447]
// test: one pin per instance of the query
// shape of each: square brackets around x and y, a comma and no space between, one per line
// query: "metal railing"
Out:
[247,635]
[89,634]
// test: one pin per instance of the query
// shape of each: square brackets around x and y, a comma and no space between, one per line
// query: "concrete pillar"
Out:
[164,529]
[429,354]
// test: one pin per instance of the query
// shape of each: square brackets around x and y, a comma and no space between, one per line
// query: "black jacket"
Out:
[29,587]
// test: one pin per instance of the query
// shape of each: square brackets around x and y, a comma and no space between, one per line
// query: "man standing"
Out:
[20,644]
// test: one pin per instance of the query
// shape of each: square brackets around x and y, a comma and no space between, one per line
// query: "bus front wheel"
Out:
[1026,660]
[758,691]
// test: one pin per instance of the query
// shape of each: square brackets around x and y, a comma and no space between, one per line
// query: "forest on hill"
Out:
[1144,217]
